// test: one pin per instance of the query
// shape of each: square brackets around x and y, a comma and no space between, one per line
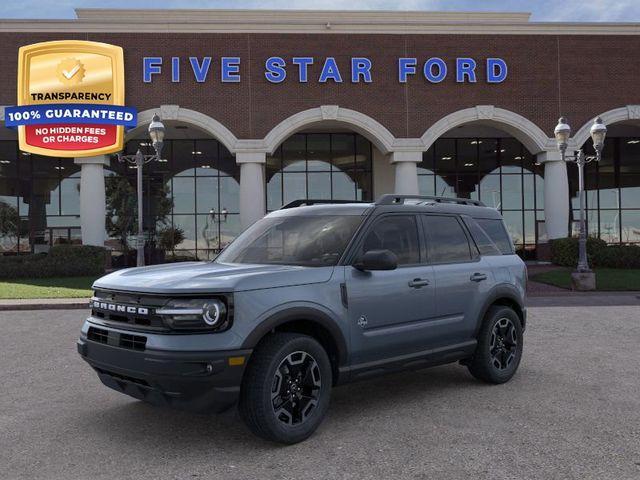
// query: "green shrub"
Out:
[61,261]
[564,252]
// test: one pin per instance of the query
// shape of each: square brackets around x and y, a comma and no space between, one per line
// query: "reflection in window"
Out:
[331,166]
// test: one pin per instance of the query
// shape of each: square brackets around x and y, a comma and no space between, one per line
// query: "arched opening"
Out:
[39,199]
[612,186]
[191,197]
[484,162]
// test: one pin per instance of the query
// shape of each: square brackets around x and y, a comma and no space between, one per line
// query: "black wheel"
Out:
[286,388]
[499,349]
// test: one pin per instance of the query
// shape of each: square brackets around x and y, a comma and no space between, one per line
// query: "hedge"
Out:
[564,252]
[61,261]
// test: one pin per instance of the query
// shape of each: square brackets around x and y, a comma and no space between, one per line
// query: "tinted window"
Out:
[485,245]
[397,233]
[496,231]
[313,241]
[447,241]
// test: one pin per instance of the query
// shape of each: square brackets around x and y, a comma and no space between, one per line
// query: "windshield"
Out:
[312,241]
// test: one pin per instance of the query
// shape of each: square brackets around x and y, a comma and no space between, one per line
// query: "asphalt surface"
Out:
[572,411]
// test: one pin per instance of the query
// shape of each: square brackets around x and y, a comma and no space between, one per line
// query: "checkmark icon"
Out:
[71,73]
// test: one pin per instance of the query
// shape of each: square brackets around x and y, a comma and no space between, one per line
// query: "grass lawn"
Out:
[607,279]
[65,287]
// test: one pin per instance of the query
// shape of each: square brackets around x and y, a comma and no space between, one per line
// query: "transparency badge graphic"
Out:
[70,99]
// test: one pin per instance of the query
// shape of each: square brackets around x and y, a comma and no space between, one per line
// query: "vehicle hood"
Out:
[209,277]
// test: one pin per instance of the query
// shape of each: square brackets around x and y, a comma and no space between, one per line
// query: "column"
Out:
[556,194]
[406,166]
[252,187]
[92,199]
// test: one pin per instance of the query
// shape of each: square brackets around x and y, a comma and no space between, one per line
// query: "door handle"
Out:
[418,282]
[478,277]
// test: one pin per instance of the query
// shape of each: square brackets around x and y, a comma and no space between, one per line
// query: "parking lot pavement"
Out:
[572,411]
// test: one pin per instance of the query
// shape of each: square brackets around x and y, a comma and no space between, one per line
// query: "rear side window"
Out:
[480,237]
[446,240]
[496,231]
[397,233]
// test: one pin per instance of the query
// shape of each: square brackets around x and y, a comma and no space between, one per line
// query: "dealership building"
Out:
[265,107]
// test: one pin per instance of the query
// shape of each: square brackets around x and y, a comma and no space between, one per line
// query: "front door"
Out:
[389,311]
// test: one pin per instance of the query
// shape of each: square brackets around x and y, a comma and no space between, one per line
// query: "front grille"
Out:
[117,339]
[133,342]
[98,335]
[125,378]
[128,310]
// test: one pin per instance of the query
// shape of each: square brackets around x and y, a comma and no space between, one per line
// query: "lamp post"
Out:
[156,133]
[562,133]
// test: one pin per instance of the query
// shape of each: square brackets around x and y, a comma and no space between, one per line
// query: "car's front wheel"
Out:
[286,388]
[500,344]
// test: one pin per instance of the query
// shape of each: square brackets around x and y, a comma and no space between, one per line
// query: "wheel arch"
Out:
[507,296]
[307,321]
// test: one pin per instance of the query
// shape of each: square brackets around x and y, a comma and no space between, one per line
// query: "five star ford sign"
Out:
[70,99]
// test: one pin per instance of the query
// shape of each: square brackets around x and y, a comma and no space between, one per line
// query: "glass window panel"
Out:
[426,185]
[342,151]
[318,152]
[363,153]
[467,186]
[60,221]
[528,192]
[488,155]
[183,195]
[44,166]
[294,187]
[70,196]
[207,194]
[343,186]
[426,165]
[319,185]
[230,194]
[182,163]
[8,159]
[227,164]
[609,226]
[629,154]
[512,192]
[467,152]
[208,232]
[274,192]
[490,191]
[206,157]
[630,190]
[529,228]
[513,222]
[631,226]
[363,185]
[188,225]
[44,197]
[511,155]
[294,153]
[539,180]
[445,156]
[229,230]
[443,189]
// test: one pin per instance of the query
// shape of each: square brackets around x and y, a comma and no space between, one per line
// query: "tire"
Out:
[500,345]
[297,369]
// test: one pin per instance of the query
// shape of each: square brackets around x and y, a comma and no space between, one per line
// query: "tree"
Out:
[122,208]
[9,221]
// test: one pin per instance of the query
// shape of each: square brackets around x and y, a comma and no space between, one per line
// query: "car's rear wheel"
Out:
[286,388]
[499,349]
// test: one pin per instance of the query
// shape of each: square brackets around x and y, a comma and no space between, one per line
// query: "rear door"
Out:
[462,277]
[389,311]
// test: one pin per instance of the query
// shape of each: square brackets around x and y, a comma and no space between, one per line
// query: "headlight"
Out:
[196,314]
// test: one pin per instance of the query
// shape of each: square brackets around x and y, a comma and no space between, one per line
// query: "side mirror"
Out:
[377,260]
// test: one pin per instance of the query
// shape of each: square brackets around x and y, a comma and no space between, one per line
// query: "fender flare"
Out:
[300,313]
[498,292]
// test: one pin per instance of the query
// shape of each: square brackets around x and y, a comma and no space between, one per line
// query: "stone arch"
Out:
[197,119]
[527,132]
[629,112]
[374,131]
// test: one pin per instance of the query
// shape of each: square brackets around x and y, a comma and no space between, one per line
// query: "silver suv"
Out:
[313,295]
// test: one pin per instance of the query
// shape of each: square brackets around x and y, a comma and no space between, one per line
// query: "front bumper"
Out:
[203,381]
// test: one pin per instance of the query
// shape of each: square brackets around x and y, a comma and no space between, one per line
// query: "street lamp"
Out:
[562,133]
[156,133]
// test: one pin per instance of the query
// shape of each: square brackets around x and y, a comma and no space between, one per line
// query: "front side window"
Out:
[447,242]
[311,241]
[397,233]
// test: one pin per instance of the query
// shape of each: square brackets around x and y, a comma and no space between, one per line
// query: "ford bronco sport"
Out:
[313,295]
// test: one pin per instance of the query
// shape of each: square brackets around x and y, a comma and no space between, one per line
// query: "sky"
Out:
[542,10]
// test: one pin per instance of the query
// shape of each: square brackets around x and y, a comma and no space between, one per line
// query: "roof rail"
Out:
[391,199]
[309,201]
